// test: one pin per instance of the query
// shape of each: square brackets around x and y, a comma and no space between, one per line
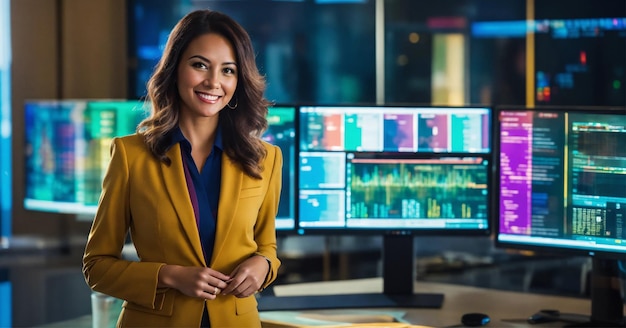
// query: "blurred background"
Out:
[445,52]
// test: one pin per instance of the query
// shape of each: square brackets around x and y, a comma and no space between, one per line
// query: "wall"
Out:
[94,49]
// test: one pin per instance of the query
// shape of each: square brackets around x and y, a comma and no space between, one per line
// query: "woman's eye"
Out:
[199,65]
[229,70]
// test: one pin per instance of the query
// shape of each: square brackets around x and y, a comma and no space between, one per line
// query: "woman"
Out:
[196,187]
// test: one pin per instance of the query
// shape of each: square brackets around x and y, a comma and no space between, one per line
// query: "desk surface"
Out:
[505,308]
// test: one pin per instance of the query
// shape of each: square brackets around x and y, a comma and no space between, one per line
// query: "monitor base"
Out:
[621,323]
[316,302]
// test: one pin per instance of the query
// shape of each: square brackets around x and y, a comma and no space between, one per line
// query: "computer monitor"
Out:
[281,132]
[384,169]
[562,189]
[394,171]
[67,146]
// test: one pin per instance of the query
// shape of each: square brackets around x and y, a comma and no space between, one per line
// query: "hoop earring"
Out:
[233,106]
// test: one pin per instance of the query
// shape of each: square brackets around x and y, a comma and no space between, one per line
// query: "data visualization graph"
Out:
[408,192]
[67,150]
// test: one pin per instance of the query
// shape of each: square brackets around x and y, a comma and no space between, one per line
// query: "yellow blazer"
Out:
[150,199]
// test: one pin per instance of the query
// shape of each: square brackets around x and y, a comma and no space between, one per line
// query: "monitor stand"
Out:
[607,300]
[399,277]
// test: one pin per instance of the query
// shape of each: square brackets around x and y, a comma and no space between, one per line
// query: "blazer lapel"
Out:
[176,185]
[232,178]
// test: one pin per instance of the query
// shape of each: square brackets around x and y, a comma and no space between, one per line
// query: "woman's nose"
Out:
[211,81]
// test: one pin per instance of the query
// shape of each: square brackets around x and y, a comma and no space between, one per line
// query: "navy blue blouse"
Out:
[204,187]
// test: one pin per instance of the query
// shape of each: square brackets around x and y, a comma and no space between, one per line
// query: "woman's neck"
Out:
[201,133]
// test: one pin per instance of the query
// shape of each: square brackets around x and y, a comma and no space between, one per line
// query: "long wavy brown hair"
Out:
[242,127]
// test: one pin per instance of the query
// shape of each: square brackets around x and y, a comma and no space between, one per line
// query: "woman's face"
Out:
[207,76]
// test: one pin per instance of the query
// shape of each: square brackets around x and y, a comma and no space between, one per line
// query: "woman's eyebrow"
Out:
[205,59]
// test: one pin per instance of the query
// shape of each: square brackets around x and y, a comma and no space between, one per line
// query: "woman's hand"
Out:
[247,277]
[199,282]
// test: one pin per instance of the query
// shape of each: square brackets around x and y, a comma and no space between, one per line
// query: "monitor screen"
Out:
[562,180]
[281,132]
[394,169]
[67,146]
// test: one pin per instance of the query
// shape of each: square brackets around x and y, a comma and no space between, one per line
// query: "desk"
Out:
[41,271]
[506,309]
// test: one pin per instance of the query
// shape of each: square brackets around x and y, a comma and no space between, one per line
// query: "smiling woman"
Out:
[207,242]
